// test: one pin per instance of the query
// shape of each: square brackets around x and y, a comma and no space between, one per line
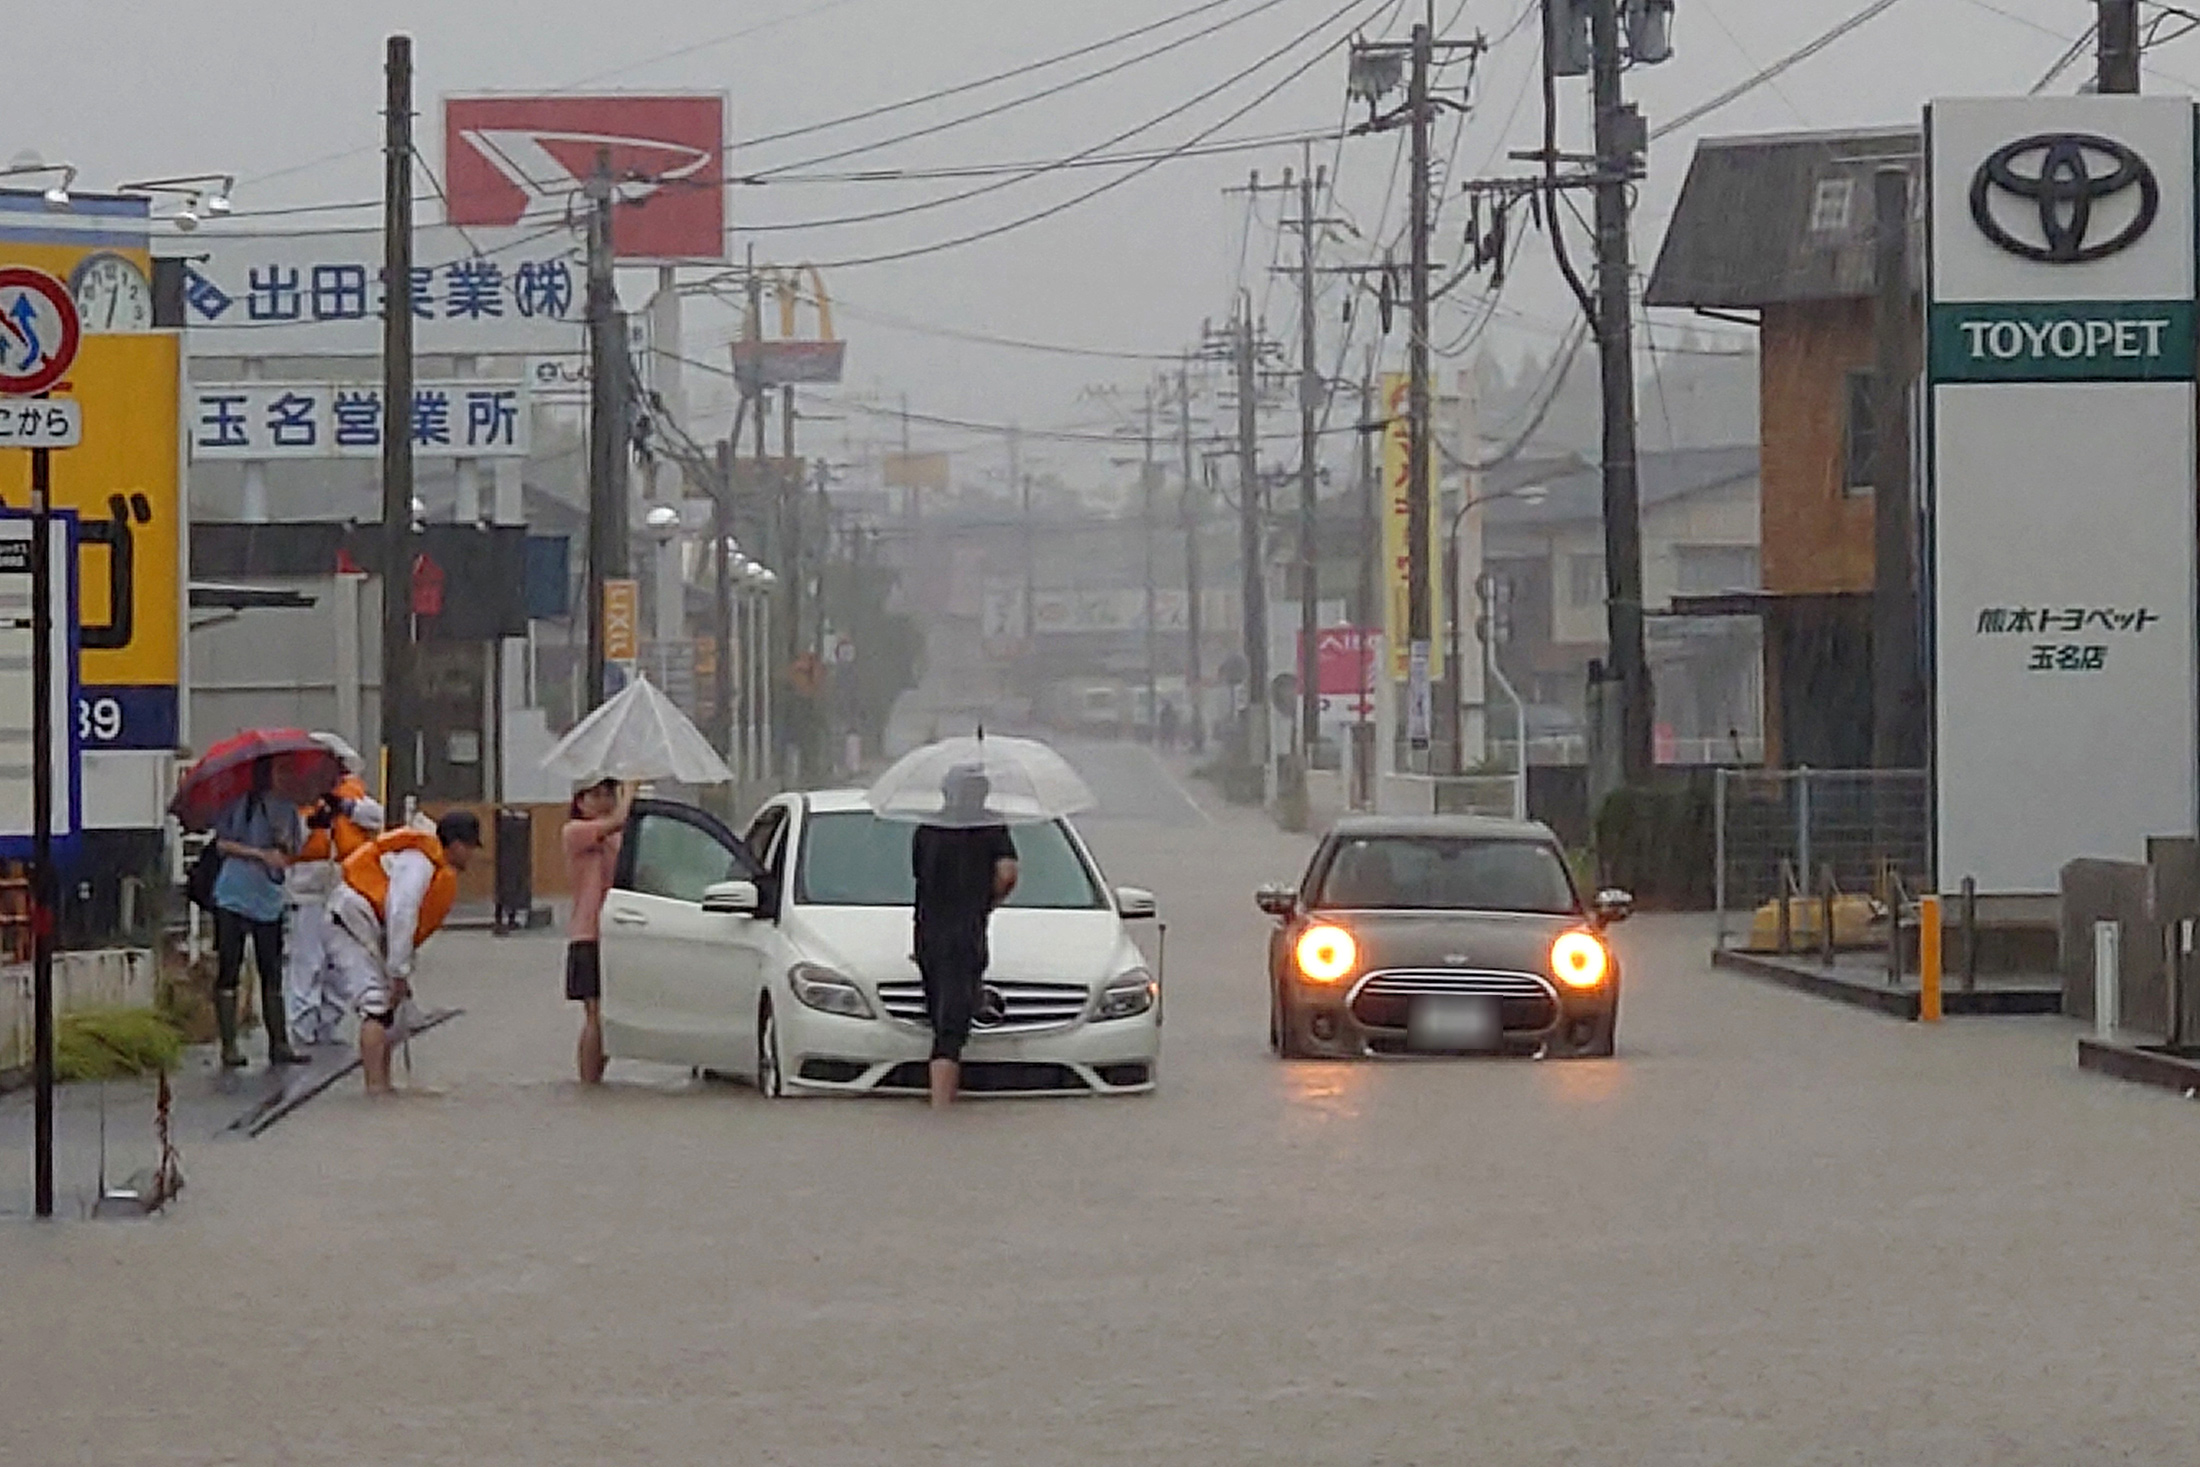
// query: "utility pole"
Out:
[1312,396]
[607,526]
[1250,551]
[1420,459]
[2118,60]
[1020,487]
[399,742]
[1194,518]
[1149,474]
[1375,68]
[1621,141]
[721,573]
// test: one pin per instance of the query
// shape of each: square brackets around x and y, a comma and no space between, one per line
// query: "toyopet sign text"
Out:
[2032,342]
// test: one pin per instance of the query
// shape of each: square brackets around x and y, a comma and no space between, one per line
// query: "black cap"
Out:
[459,828]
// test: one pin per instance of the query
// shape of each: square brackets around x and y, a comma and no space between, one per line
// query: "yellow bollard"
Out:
[1928,960]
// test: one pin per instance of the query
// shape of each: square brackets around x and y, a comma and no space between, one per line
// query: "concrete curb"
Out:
[1895,1003]
[313,1080]
[2139,1065]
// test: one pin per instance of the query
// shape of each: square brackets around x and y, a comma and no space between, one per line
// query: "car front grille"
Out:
[1024,1005]
[992,1077]
[1527,1003]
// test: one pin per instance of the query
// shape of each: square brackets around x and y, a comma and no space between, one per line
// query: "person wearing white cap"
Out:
[316,994]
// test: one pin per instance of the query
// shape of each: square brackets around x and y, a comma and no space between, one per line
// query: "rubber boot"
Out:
[225,1020]
[279,1051]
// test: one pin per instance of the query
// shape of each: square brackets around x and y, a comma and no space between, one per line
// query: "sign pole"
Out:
[42,882]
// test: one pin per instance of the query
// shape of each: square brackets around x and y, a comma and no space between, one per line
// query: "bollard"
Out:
[1928,960]
[2107,985]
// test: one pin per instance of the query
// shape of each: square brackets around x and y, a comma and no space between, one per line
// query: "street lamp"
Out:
[57,196]
[207,192]
[1525,494]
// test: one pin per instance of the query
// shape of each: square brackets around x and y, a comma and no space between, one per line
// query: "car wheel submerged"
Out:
[771,1081]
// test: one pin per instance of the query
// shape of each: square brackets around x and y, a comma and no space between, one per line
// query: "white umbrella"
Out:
[638,735]
[994,782]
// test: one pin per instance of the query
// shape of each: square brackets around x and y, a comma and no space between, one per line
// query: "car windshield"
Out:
[851,858]
[1446,873]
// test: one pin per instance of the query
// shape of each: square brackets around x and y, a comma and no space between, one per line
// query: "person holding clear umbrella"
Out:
[965,866]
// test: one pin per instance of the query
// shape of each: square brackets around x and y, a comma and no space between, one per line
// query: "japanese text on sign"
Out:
[1994,621]
[274,420]
[40,423]
[2039,621]
[483,291]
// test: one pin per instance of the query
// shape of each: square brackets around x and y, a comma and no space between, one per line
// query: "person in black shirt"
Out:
[964,868]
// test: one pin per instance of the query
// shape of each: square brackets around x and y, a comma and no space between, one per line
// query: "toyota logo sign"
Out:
[2059,181]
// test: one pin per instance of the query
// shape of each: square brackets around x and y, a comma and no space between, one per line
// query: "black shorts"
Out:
[583,972]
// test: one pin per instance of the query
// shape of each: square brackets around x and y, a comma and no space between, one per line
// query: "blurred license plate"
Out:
[1454,1025]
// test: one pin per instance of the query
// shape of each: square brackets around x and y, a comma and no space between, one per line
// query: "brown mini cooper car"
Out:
[1443,935]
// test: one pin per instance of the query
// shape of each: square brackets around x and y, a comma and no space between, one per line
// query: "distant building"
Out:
[1776,231]
[1543,547]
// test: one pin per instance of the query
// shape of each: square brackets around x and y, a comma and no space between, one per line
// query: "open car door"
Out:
[679,982]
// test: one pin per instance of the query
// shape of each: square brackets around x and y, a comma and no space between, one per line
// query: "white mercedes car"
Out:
[783,957]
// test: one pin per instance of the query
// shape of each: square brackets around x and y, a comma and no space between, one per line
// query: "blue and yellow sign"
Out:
[125,480]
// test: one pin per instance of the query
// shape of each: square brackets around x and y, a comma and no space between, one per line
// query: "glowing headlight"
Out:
[1578,960]
[1127,997]
[1327,954]
[827,992]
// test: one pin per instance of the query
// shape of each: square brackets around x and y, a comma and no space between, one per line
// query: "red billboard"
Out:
[1345,662]
[511,161]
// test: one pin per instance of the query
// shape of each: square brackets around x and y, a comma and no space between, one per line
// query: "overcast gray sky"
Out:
[287,95]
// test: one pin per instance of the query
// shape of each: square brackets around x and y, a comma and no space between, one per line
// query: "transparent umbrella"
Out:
[640,734]
[967,782]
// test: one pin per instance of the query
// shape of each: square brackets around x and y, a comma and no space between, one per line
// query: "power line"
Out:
[1043,169]
[1112,184]
[1785,64]
[1045,94]
[757,29]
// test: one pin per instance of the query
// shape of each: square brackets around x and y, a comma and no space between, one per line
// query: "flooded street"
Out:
[1772,1230]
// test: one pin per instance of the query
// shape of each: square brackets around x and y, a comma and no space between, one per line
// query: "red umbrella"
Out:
[299,768]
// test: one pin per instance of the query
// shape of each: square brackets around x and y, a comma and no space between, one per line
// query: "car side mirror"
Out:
[733,899]
[1136,904]
[1613,905]
[1278,901]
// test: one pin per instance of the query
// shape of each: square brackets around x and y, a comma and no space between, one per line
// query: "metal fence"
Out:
[1813,834]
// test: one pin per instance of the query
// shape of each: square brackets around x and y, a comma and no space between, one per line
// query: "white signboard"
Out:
[2062,518]
[473,418]
[16,647]
[476,292]
[31,422]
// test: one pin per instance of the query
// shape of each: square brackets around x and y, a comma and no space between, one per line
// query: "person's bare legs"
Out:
[374,1056]
[591,1056]
[946,1078]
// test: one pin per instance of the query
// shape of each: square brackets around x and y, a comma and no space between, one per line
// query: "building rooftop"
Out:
[1780,218]
[1574,490]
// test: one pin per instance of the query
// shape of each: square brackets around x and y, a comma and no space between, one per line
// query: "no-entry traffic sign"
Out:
[39,331]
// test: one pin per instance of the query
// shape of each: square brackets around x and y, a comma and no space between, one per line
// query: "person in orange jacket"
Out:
[397,891]
[314,996]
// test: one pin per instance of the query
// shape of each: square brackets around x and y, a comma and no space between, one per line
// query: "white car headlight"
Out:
[1127,996]
[828,992]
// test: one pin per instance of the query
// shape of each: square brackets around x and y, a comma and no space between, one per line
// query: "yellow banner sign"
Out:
[1397,536]
[124,481]
[622,621]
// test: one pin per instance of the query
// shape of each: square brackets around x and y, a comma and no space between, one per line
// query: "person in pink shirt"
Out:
[594,828]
